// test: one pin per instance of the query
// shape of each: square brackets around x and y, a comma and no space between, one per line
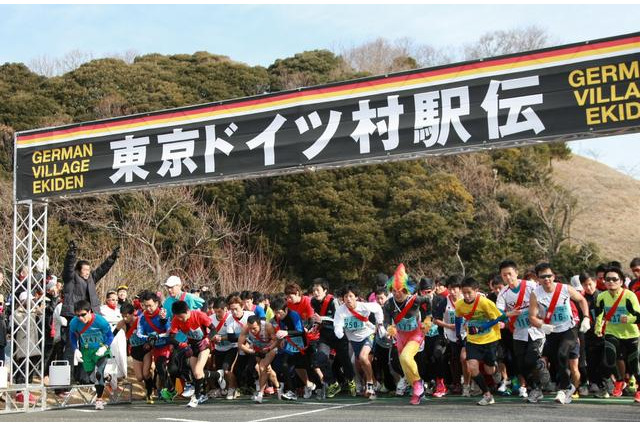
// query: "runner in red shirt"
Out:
[197,326]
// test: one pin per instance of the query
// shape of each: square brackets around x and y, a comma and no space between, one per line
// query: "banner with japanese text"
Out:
[568,92]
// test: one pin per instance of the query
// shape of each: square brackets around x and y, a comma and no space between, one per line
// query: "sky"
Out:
[259,34]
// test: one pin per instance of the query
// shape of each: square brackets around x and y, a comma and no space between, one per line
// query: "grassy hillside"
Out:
[608,204]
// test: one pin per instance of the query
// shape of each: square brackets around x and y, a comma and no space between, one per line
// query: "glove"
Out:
[381,331]
[116,252]
[77,357]
[547,328]
[203,344]
[585,325]
[281,334]
[72,245]
[392,331]
[101,351]
[153,338]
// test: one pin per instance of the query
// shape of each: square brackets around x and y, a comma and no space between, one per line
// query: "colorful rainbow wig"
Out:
[400,280]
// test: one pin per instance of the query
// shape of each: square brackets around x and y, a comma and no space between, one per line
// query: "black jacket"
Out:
[77,288]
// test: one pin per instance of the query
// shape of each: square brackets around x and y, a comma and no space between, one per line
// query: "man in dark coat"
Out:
[80,284]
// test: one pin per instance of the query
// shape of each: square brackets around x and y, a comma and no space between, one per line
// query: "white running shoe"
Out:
[221,381]
[568,394]
[522,392]
[99,404]
[503,387]
[290,396]
[487,400]
[560,397]
[193,403]
[258,398]
[401,387]
[466,391]
[231,393]
[188,391]
[535,396]
[308,390]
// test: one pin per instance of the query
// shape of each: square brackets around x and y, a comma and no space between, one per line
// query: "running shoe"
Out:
[333,389]
[193,402]
[602,393]
[535,396]
[351,385]
[466,391]
[569,394]
[503,387]
[415,400]
[215,393]
[203,398]
[618,387]
[583,390]
[636,398]
[321,392]
[99,404]
[150,400]
[167,395]
[561,397]
[441,389]
[231,393]
[401,387]
[269,390]
[370,391]
[522,392]
[280,391]
[487,400]
[188,391]
[308,390]
[221,381]
[290,396]
[383,389]
[257,398]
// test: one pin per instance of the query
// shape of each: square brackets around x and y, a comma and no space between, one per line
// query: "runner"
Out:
[352,320]
[235,323]
[550,311]
[324,306]
[528,341]
[483,333]
[225,351]
[404,321]
[138,347]
[617,311]
[153,327]
[91,334]
[291,354]
[196,325]
[258,338]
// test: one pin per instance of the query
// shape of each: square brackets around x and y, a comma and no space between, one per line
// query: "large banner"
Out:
[568,92]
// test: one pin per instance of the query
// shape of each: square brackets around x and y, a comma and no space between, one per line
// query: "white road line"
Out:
[83,411]
[308,412]
[171,419]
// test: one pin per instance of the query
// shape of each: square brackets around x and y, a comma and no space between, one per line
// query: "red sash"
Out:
[523,290]
[325,305]
[357,315]
[222,322]
[133,328]
[404,311]
[473,309]
[89,324]
[554,302]
[288,339]
[611,312]
[183,296]
[151,324]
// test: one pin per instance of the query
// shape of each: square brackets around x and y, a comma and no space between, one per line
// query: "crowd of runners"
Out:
[532,334]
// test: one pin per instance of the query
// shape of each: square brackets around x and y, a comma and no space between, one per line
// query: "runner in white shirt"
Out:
[550,310]
[528,341]
[352,319]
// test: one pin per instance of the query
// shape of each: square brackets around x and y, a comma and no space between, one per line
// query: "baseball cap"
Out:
[173,281]
[426,284]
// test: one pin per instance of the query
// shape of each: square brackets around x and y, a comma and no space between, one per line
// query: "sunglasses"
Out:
[82,315]
[546,276]
[612,279]
[635,269]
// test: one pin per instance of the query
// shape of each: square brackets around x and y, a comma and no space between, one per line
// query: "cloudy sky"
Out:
[259,34]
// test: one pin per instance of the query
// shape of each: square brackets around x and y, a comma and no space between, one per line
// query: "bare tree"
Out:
[504,42]
[556,208]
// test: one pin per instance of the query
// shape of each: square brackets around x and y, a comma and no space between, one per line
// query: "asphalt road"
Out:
[384,409]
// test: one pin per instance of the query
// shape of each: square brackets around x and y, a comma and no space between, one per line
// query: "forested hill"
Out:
[459,214]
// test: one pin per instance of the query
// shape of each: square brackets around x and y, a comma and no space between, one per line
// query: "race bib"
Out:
[353,323]
[407,324]
[196,334]
[523,319]
[620,311]
[560,315]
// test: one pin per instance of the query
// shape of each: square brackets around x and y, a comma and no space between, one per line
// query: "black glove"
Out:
[72,245]
[115,252]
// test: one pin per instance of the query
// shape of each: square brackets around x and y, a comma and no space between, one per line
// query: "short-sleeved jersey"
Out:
[194,327]
[486,311]
[628,306]
[562,317]
[506,302]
